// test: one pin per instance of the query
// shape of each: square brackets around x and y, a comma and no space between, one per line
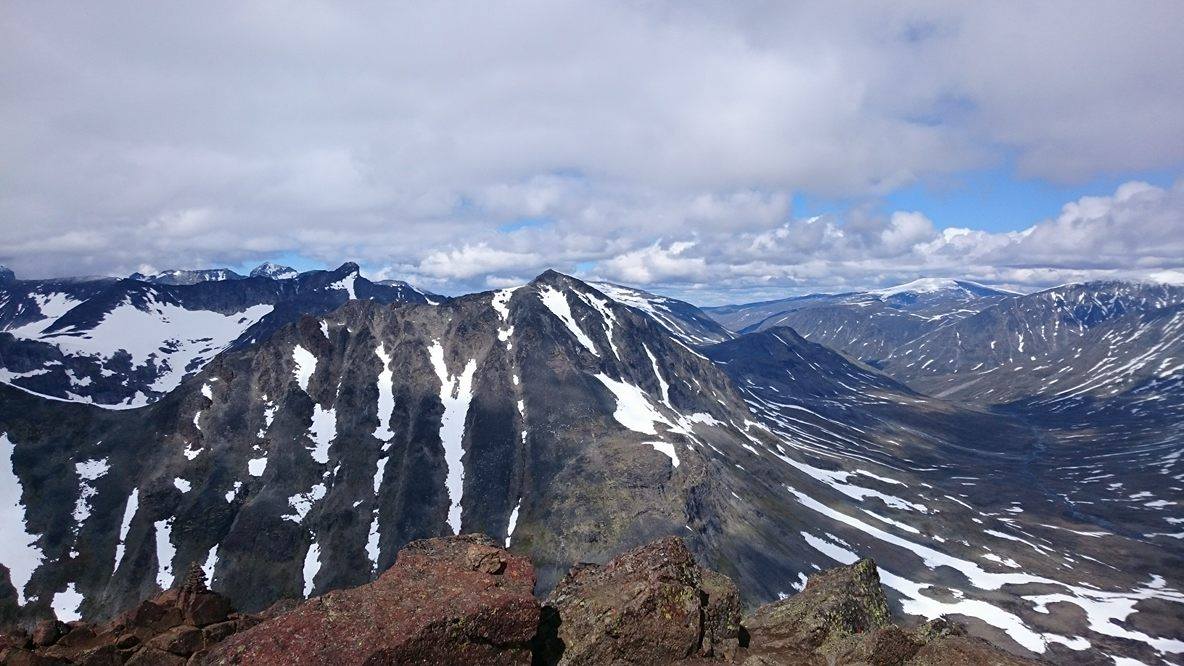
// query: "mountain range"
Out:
[290,433]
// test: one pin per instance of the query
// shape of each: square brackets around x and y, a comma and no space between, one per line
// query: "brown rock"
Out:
[647,606]
[836,604]
[965,651]
[183,640]
[20,657]
[104,655]
[155,616]
[149,656]
[217,632]
[887,646]
[448,600]
[47,632]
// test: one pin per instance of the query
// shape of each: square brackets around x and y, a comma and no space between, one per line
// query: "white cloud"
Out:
[611,135]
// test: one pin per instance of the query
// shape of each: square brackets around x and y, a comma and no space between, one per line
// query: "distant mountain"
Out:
[1096,339]
[125,343]
[274,271]
[866,325]
[176,277]
[572,427]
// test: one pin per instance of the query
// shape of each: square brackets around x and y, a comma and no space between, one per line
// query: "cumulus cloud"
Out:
[469,145]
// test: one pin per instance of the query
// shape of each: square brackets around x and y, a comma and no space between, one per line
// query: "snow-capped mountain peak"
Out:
[273,271]
[932,285]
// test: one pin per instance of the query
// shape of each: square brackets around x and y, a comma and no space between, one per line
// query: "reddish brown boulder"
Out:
[651,605]
[448,600]
[47,632]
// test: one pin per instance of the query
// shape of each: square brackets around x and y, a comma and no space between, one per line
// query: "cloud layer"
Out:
[466,145]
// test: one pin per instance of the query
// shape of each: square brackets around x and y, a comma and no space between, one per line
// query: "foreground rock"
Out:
[464,600]
[651,605]
[173,627]
[842,617]
[458,600]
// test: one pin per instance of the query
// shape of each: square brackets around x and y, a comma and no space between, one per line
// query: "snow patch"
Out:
[456,392]
[65,604]
[18,549]
[165,551]
[386,396]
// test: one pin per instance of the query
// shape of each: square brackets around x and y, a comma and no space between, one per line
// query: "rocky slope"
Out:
[464,600]
[573,428]
[125,343]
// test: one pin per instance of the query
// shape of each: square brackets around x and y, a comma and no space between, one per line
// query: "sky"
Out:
[719,152]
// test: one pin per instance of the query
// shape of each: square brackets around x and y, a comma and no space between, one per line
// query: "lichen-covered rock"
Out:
[842,617]
[835,604]
[964,651]
[651,605]
[446,600]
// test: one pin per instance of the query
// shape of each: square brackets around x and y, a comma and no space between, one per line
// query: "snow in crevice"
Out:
[374,536]
[129,512]
[182,484]
[346,284]
[305,364]
[501,304]
[165,552]
[312,565]
[456,392]
[322,431]
[269,409]
[386,396]
[556,302]
[606,314]
[513,522]
[18,548]
[302,503]
[211,564]
[665,388]
[88,472]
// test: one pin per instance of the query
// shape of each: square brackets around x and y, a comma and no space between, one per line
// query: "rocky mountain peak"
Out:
[6,274]
[274,271]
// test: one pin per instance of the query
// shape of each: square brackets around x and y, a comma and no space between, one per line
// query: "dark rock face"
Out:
[460,600]
[651,605]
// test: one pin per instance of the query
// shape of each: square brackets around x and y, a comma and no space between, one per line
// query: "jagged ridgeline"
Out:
[571,422]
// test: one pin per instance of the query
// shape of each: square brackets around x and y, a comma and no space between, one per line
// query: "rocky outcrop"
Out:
[460,600]
[176,626]
[465,600]
[650,605]
[842,617]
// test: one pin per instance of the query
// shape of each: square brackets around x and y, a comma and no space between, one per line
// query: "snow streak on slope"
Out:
[556,302]
[456,392]
[18,549]
[129,512]
[386,396]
